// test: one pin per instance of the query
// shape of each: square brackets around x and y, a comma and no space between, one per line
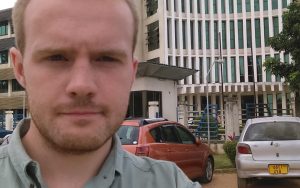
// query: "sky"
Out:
[4,4]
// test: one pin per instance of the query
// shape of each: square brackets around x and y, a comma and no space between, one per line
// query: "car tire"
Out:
[208,172]
[242,182]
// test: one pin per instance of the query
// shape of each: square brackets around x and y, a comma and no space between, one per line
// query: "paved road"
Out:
[228,180]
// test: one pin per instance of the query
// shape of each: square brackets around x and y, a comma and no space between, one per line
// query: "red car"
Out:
[171,141]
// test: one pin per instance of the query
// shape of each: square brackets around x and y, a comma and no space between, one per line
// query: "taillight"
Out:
[142,151]
[244,149]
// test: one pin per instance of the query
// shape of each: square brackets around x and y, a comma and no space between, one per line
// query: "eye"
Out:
[106,59]
[57,57]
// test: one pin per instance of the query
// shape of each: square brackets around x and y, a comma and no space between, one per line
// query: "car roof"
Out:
[142,121]
[273,119]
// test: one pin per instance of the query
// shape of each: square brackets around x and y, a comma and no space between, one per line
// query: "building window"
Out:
[274,4]
[167,5]
[277,57]
[250,69]
[169,33]
[153,36]
[184,34]
[206,7]
[259,68]
[185,65]
[231,6]
[215,6]
[266,31]
[216,35]
[182,6]
[223,7]
[240,34]
[152,6]
[225,71]
[217,72]
[248,5]
[208,64]
[242,69]
[265,4]
[249,37]
[3,86]
[194,67]
[256,5]
[16,86]
[175,5]
[192,30]
[232,35]
[268,73]
[224,36]
[176,34]
[177,61]
[284,3]
[3,28]
[198,7]
[207,29]
[257,33]
[239,6]
[191,6]
[199,35]
[279,103]
[233,70]
[201,72]
[270,102]
[286,58]
[275,25]
[4,57]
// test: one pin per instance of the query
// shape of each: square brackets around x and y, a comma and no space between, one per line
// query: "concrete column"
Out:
[232,127]
[153,109]
[9,120]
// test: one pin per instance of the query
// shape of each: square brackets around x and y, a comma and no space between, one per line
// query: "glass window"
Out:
[201,72]
[225,70]
[4,57]
[286,58]
[175,5]
[152,6]
[268,73]
[3,28]
[284,3]
[270,102]
[3,86]
[240,34]
[259,68]
[192,30]
[191,6]
[257,33]
[233,70]
[266,31]
[169,33]
[217,70]
[207,29]
[128,135]
[232,35]
[242,69]
[169,133]
[16,86]
[176,34]
[184,34]
[250,69]
[230,6]
[223,7]
[157,135]
[185,136]
[248,27]
[153,36]
[182,6]
[206,7]
[279,103]
[215,6]
[248,5]
[274,4]
[265,4]
[275,25]
[277,56]
[256,5]
[239,6]
[208,63]
[216,35]
[224,36]
[199,35]
[198,7]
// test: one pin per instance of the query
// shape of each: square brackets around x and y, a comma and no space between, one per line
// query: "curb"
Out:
[225,170]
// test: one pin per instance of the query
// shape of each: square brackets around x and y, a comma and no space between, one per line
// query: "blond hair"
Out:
[18,15]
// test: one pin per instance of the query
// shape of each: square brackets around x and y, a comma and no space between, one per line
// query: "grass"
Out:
[222,161]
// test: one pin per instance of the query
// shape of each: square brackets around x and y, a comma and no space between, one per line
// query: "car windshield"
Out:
[128,135]
[273,131]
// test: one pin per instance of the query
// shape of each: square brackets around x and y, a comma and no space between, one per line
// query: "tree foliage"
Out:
[288,41]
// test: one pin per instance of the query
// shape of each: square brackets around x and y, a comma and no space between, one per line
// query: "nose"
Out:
[82,81]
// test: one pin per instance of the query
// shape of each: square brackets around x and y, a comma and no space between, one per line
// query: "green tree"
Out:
[288,41]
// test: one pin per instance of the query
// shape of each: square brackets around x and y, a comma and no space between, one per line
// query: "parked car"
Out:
[4,134]
[171,141]
[268,147]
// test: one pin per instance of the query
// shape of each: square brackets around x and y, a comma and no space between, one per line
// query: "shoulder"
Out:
[159,171]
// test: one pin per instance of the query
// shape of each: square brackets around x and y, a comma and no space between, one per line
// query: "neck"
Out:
[64,169]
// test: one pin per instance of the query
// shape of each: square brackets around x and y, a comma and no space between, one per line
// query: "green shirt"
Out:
[120,170]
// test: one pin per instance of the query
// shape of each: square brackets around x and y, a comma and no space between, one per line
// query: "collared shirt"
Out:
[120,170]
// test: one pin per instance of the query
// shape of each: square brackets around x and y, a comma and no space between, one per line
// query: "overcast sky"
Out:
[4,4]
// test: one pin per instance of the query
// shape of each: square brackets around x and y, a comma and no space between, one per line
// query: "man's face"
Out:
[77,70]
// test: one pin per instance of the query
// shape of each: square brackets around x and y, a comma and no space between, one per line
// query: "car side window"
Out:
[169,133]
[156,133]
[185,136]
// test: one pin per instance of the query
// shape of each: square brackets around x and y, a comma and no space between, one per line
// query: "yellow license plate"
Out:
[278,169]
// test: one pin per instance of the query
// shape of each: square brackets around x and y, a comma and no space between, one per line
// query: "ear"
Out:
[135,64]
[17,60]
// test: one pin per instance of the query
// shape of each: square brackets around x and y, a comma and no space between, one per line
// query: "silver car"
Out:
[268,147]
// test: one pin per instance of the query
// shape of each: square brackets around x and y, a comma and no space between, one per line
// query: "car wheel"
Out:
[242,182]
[209,171]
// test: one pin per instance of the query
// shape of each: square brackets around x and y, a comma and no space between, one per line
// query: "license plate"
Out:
[278,169]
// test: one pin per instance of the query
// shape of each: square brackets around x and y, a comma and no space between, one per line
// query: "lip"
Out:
[80,113]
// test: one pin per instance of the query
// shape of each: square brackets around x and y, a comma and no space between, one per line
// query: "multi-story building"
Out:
[227,41]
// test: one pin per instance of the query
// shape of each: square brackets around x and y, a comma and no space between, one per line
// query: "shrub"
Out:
[230,150]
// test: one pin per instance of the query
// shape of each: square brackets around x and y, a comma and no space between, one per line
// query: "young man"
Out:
[75,60]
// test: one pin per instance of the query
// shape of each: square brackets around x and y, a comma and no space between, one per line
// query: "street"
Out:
[228,180]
